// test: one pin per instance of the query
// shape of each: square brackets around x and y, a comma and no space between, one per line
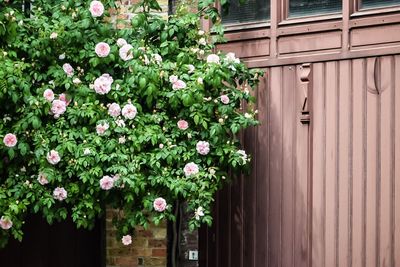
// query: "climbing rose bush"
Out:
[137,119]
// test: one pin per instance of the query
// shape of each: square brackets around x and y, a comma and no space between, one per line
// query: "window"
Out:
[301,8]
[378,3]
[250,11]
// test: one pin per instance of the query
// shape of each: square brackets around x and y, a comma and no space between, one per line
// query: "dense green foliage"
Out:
[102,157]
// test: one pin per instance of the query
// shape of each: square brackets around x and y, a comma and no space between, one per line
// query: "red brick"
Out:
[159,252]
[157,243]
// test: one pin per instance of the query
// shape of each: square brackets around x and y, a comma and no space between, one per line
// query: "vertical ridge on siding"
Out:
[330,163]
[372,172]
[378,171]
[301,180]
[392,158]
[250,192]
[288,110]
[318,174]
[358,163]
[385,154]
[344,144]
[275,168]
[364,160]
[337,213]
[262,180]
[351,153]
[397,160]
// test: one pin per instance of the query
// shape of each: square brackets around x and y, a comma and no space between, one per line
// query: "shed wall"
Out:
[321,194]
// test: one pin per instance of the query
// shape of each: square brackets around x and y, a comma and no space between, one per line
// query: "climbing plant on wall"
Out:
[135,118]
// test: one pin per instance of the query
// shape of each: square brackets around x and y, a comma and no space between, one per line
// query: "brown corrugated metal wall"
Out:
[320,194]
[356,162]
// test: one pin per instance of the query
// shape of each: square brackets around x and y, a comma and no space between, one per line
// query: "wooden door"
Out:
[58,245]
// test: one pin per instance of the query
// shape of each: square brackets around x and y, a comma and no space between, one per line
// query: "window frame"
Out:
[246,25]
[359,11]
[351,8]
[313,17]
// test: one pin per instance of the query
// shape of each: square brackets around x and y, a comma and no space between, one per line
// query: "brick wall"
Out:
[148,248]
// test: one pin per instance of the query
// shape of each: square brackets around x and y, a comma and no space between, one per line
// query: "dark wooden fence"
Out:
[58,245]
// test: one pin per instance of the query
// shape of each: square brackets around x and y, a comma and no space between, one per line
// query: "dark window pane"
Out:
[301,8]
[251,10]
[379,3]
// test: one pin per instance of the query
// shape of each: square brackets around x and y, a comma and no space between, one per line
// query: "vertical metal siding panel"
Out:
[344,160]
[397,164]
[249,201]
[318,211]
[289,109]
[262,179]
[275,169]
[214,236]
[236,219]
[301,194]
[330,163]
[372,168]
[224,227]
[250,190]
[386,162]
[358,163]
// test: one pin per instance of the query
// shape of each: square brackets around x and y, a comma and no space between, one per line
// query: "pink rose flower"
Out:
[173,79]
[157,58]
[129,111]
[120,123]
[102,85]
[121,42]
[10,140]
[76,81]
[191,68]
[5,223]
[224,99]
[48,94]
[53,157]
[122,140]
[159,204]
[42,179]
[183,125]
[60,193]
[63,98]
[126,240]
[179,84]
[114,110]
[125,52]
[102,49]
[231,58]
[106,183]
[58,107]
[96,8]
[213,58]
[68,69]
[191,169]
[102,128]
[203,147]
